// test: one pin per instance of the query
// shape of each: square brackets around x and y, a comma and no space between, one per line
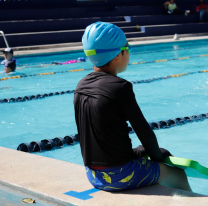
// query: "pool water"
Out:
[24,122]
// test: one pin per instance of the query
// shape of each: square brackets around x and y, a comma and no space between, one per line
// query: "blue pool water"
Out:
[54,116]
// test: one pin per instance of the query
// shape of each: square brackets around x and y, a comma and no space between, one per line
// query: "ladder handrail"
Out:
[1,32]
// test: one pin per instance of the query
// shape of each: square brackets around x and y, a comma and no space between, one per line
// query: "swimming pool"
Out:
[54,116]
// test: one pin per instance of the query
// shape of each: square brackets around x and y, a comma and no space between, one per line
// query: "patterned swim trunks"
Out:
[137,173]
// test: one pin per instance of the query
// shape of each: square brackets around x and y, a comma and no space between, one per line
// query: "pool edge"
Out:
[77,47]
[35,193]
[50,179]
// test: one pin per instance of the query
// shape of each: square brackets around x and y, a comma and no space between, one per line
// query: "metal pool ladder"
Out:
[5,40]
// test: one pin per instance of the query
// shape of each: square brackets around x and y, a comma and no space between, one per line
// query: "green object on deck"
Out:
[191,167]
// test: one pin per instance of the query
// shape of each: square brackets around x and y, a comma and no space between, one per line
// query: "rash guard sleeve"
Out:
[140,125]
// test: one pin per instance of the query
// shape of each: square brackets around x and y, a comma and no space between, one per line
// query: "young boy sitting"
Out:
[103,104]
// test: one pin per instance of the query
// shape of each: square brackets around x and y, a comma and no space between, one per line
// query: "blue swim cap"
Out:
[102,35]
[82,59]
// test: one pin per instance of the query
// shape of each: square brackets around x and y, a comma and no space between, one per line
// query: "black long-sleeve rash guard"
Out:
[103,104]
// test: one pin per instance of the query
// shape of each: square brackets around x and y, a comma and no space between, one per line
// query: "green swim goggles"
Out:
[100,51]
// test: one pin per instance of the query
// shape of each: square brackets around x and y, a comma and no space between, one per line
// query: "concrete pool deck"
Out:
[49,179]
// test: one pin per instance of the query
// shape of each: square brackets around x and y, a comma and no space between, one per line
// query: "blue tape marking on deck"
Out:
[85,195]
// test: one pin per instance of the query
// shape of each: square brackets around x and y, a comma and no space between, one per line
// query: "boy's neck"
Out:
[108,70]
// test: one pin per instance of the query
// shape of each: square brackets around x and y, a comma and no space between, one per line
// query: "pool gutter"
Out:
[77,47]
[34,193]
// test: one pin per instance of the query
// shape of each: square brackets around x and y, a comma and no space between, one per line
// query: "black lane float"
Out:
[58,142]
[34,97]
[47,144]
[41,96]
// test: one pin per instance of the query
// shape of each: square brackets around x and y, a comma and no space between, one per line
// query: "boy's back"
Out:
[100,116]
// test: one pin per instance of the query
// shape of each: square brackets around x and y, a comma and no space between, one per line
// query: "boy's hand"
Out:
[141,152]
[165,152]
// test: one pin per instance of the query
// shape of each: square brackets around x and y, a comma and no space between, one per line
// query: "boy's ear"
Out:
[117,57]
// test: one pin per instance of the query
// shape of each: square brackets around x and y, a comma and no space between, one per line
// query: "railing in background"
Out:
[5,40]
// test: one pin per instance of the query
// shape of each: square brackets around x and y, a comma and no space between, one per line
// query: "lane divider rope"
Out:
[44,63]
[58,142]
[41,96]
[34,97]
[42,74]
[47,144]
[79,70]
[167,77]
[165,60]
